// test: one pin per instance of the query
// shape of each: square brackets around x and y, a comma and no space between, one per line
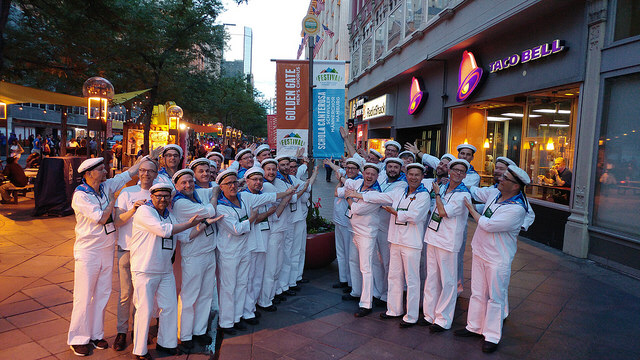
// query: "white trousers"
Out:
[296,246]
[272,266]
[489,285]
[440,288]
[91,290]
[343,243]
[125,291]
[196,294]
[364,248]
[233,272]
[285,271]
[404,268]
[380,266]
[303,248]
[149,288]
[255,275]
[460,260]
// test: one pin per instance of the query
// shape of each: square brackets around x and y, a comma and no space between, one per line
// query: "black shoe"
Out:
[270,308]
[187,344]
[348,297]
[303,281]
[101,344]
[240,326]
[168,351]
[404,324]
[280,298]
[120,343]
[435,328]
[294,288]
[347,290]
[289,293]
[362,312]
[340,285]
[423,322]
[81,350]
[276,300]
[489,347]
[143,357]
[252,321]
[466,333]
[257,314]
[385,316]
[203,340]
[379,302]
[229,331]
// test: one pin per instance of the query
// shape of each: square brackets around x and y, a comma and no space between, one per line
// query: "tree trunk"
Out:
[63,135]
[5,5]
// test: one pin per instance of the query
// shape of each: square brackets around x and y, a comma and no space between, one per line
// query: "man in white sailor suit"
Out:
[172,157]
[240,214]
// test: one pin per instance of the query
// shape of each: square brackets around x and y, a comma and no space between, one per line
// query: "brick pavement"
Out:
[561,308]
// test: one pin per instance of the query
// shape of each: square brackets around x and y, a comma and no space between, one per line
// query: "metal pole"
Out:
[310,137]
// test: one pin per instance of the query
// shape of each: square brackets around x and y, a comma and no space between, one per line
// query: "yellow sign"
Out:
[311,25]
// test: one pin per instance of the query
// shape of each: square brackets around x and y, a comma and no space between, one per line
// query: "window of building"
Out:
[355,63]
[435,7]
[617,189]
[367,53]
[394,27]
[627,22]
[380,41]
[414,16]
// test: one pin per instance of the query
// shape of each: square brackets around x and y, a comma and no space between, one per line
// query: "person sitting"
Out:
[559,174]
[14,173]
[33,161]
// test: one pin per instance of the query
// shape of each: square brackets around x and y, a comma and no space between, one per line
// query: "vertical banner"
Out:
[328,108]
[272,133]
[292,102]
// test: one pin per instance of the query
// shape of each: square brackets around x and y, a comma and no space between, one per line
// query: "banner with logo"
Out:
[292,96]
[328,108]
[272,127]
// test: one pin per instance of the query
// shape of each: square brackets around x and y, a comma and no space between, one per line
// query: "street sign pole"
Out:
[310,132]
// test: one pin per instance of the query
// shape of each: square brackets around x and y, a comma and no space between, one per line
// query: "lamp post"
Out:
[98,92]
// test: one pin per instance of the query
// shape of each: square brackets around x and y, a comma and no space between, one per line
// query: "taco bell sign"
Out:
[535,53]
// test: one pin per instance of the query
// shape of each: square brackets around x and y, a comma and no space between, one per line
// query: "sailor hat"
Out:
[180,173]
[90,164]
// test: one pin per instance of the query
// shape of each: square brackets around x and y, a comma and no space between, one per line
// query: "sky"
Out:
[276,26]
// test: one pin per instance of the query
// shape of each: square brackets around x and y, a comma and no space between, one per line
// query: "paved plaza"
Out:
[560,307]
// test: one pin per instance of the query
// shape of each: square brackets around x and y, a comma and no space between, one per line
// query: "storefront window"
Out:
[435,6]
[379,50]
[367,52]
[394,28]
[503,135]
[627,23]
[415,16]
[617,190]
[355,63]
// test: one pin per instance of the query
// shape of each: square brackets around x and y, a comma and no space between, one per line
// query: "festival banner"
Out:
[292,102]
[328,108]
[272,127]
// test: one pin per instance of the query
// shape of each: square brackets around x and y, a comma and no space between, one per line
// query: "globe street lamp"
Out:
[98,92]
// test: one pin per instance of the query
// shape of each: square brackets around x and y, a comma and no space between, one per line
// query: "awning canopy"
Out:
[124,97]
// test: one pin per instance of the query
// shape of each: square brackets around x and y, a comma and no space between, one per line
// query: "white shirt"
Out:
[185,209]
[450,232]
[299,213]
[472,179]
[146,245]
[495,239]
[364,216]
[407,227]
[128,196]
[88,207]
[259,234]
[276,223]
[386,186]
[528,218]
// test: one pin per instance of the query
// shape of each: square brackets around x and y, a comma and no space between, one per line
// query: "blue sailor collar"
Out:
[241,171]
[222,200]
[286,180]
[179,195]
[375,187]
[459,188]
[249,191]
[401,177]
[471,170]
[514,200]
[84,187]
[200,187]
[163,171]
[166,211]
[419,189]
[358,177]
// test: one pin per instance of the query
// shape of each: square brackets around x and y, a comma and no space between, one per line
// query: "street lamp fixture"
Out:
[175,114]
[98,92]
[3,111]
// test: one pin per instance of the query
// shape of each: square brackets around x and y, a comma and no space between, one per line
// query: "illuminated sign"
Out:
[416,96]
[534,53]
[469,76]
[375,108]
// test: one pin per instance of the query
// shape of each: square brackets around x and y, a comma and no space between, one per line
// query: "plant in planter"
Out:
[321,246]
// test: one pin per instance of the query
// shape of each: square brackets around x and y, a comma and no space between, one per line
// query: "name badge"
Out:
[167,243]
[432,194]
[348,212]
[244,218]
[109,226]
[434,224]
[264,225]
[293,206]
[208,230]
[488,213]
[396,221]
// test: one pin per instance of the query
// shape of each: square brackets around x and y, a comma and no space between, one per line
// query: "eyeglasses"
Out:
[231,183]
[350,168]
[171,155]
[161,197]
[145,171]
[457,171]
[509,180]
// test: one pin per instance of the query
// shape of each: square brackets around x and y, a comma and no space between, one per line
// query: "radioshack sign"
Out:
[375,108]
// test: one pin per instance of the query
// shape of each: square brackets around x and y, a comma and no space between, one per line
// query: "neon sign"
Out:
[416,96]
[469,76]
[534,53]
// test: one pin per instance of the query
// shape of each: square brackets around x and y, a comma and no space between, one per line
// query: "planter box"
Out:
[321,250]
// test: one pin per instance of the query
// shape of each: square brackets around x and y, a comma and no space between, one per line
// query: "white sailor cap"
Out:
[252,171]
[393,143]
[354,161]
[180,173]
[505,160]
[213,163]
[172,147]
[466,146]
[376,153]
[405,153]
[162,187]
[261,148]
[416,166]
[459,161]
[372,166]
[225,174]
[242,152]
[90,164]
[269,161]
[519,174]
[214,153]
[283,157]
[199,161]
[448,156]
[396,160]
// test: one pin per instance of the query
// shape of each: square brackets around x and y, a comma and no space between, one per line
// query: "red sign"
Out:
[292,94]
[272,127]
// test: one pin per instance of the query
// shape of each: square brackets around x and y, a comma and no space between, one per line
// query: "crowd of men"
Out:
[385,209]
[238,235]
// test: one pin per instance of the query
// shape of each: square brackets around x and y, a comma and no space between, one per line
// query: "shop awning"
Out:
[124,97]
[12,94]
